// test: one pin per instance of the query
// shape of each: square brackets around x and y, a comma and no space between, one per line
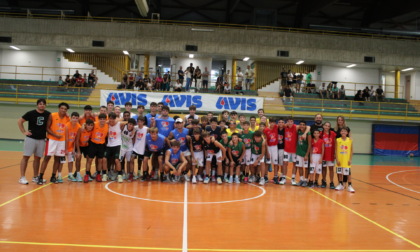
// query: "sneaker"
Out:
[39,181]
[300,183]
[53,180]
[276,180]
[251,179]
[340,187]
[79,177]
[310,184]
[246,180]
[282,181]
[323,184]
[35,179]
[219,180]
[270,168]
[119,177]
[226,179]
[194,180]
[262,181]
[230,180]
[187,178]
[257,179]
[316,184]
[71,178]
[350,189]
[294,182]
[304,184]
[242,177]
[98,177]
[130,177]
[59,179]
[23,181]
[155,175]
[213,178]
[199,178]
[86,178]
[104,177]
[237,181]
[332,185]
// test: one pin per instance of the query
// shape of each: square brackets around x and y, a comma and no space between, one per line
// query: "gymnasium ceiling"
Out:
[321,14]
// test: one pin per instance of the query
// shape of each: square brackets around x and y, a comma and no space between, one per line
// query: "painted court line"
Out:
[215,250]
[185,224]
[392,182]
[366,218]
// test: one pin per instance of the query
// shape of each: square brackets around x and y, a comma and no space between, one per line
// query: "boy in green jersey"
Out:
[236,152]
[246,137]
[224,140]
[258,149]
[302,154]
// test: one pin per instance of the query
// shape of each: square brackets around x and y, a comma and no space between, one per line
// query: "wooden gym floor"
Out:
[383,214]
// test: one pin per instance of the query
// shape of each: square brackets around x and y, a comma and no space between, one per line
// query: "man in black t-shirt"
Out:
[35,138]
[181,75]
[318,124]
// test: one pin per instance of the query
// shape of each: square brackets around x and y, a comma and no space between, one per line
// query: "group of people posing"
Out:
[172,149]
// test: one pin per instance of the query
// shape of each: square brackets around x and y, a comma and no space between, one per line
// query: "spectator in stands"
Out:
[239,77]
[283,77]
[372,92]
[227,77]
[366,94]
[125,79]
[67,81]
[189,72]
[131,80]
[180,75]
[139,84]
[75,77]
[178,86]
[299,78]
[197,77]
[323,91]
[308,78]
[359,97]
[151,85]
[146,82]
[329,90]
[249,77]
[60,81]
[79,81]
[342,93]
[166,81]
[85,80]
[379,94]
[205,76]
[219,84]
[290,78]
[288,93]
[92,79]
[334,91]
[158,83]
[122,85]
[226,88]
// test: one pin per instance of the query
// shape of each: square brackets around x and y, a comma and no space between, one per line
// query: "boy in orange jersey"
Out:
[82,146]
[56,144]
[72,136]
[86,115]
[97,146]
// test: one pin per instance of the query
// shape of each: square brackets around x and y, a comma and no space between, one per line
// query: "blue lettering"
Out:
[123,98]
[179,100]
[141,99]
[197,101]
[234,102]
[251,104]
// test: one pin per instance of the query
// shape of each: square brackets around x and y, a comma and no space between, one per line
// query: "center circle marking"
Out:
[263,191]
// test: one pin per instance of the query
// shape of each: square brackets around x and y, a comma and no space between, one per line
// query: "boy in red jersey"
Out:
[317,152]
[271,134]
[328,136]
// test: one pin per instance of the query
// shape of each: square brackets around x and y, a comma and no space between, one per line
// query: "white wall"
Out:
[415,86]
[353,75]
[43,65]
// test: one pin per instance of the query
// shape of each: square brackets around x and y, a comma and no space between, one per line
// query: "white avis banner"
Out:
[181,101]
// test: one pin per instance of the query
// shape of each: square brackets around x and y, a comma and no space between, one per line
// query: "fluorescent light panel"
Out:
[202,30]
[191,56]
[246,59]
[14,47]
[126,52]
[70,50]
[407,69]
[299,62]
[352,65]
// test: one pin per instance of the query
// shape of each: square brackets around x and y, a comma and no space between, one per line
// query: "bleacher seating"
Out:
[39,89]
[312,102]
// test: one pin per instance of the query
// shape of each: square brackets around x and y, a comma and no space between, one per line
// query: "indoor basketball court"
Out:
[152,216]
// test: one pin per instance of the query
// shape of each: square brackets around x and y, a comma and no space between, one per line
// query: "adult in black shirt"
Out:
[318,124]
[213,129]
[180,75]
[35,137]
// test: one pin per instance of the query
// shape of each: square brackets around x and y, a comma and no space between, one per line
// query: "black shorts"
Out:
[139,156]
[96,150]
[236,161]
[113,152]
[84,150]
[148,153]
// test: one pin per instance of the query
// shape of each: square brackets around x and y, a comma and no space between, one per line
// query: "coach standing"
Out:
[35,138]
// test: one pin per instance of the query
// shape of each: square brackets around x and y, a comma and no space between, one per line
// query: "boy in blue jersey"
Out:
[164,123]
[175,161]
[150,117]
[180,134]
[155,144]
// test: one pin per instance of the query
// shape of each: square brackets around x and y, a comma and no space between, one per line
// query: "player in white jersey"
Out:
[127,137]
[113,146]
[140,142]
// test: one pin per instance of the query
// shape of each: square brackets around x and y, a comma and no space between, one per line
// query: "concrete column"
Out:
[233,73]
[397,82]
[146,64]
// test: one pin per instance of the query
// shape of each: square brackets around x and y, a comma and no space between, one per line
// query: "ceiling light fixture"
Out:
[407,69]
[16,48]
[299,62]
[352,65]
[126,52]
[246,59]
[191,56]
[202,30]
[70,50]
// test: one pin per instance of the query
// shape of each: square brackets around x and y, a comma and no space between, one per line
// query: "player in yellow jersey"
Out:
[344,155]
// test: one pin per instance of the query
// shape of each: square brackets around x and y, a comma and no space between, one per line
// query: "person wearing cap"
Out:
[180,134]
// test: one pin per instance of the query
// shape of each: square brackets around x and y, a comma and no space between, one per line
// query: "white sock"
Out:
[59,174]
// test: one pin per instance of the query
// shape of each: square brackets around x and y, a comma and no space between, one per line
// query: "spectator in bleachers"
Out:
[329,90]
[146,82]
[249,77]
[205,76]
[166,81]
[189,72]
[85,79]
[92,79]
[379,94]
[239,77]
[226,87]
[67,81]
[75,77]
[158,83]
[283,77]
[288,93]
[219,84]
[366,94]
[342,93]
[290,78]
[131,81]
[197,77]
[359,97]
[139,84]
[60,81]
[334,91]
[308,78]
[178,86]
[372,92]
[180,75]
[299,78]
[227,77]
[323,91]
